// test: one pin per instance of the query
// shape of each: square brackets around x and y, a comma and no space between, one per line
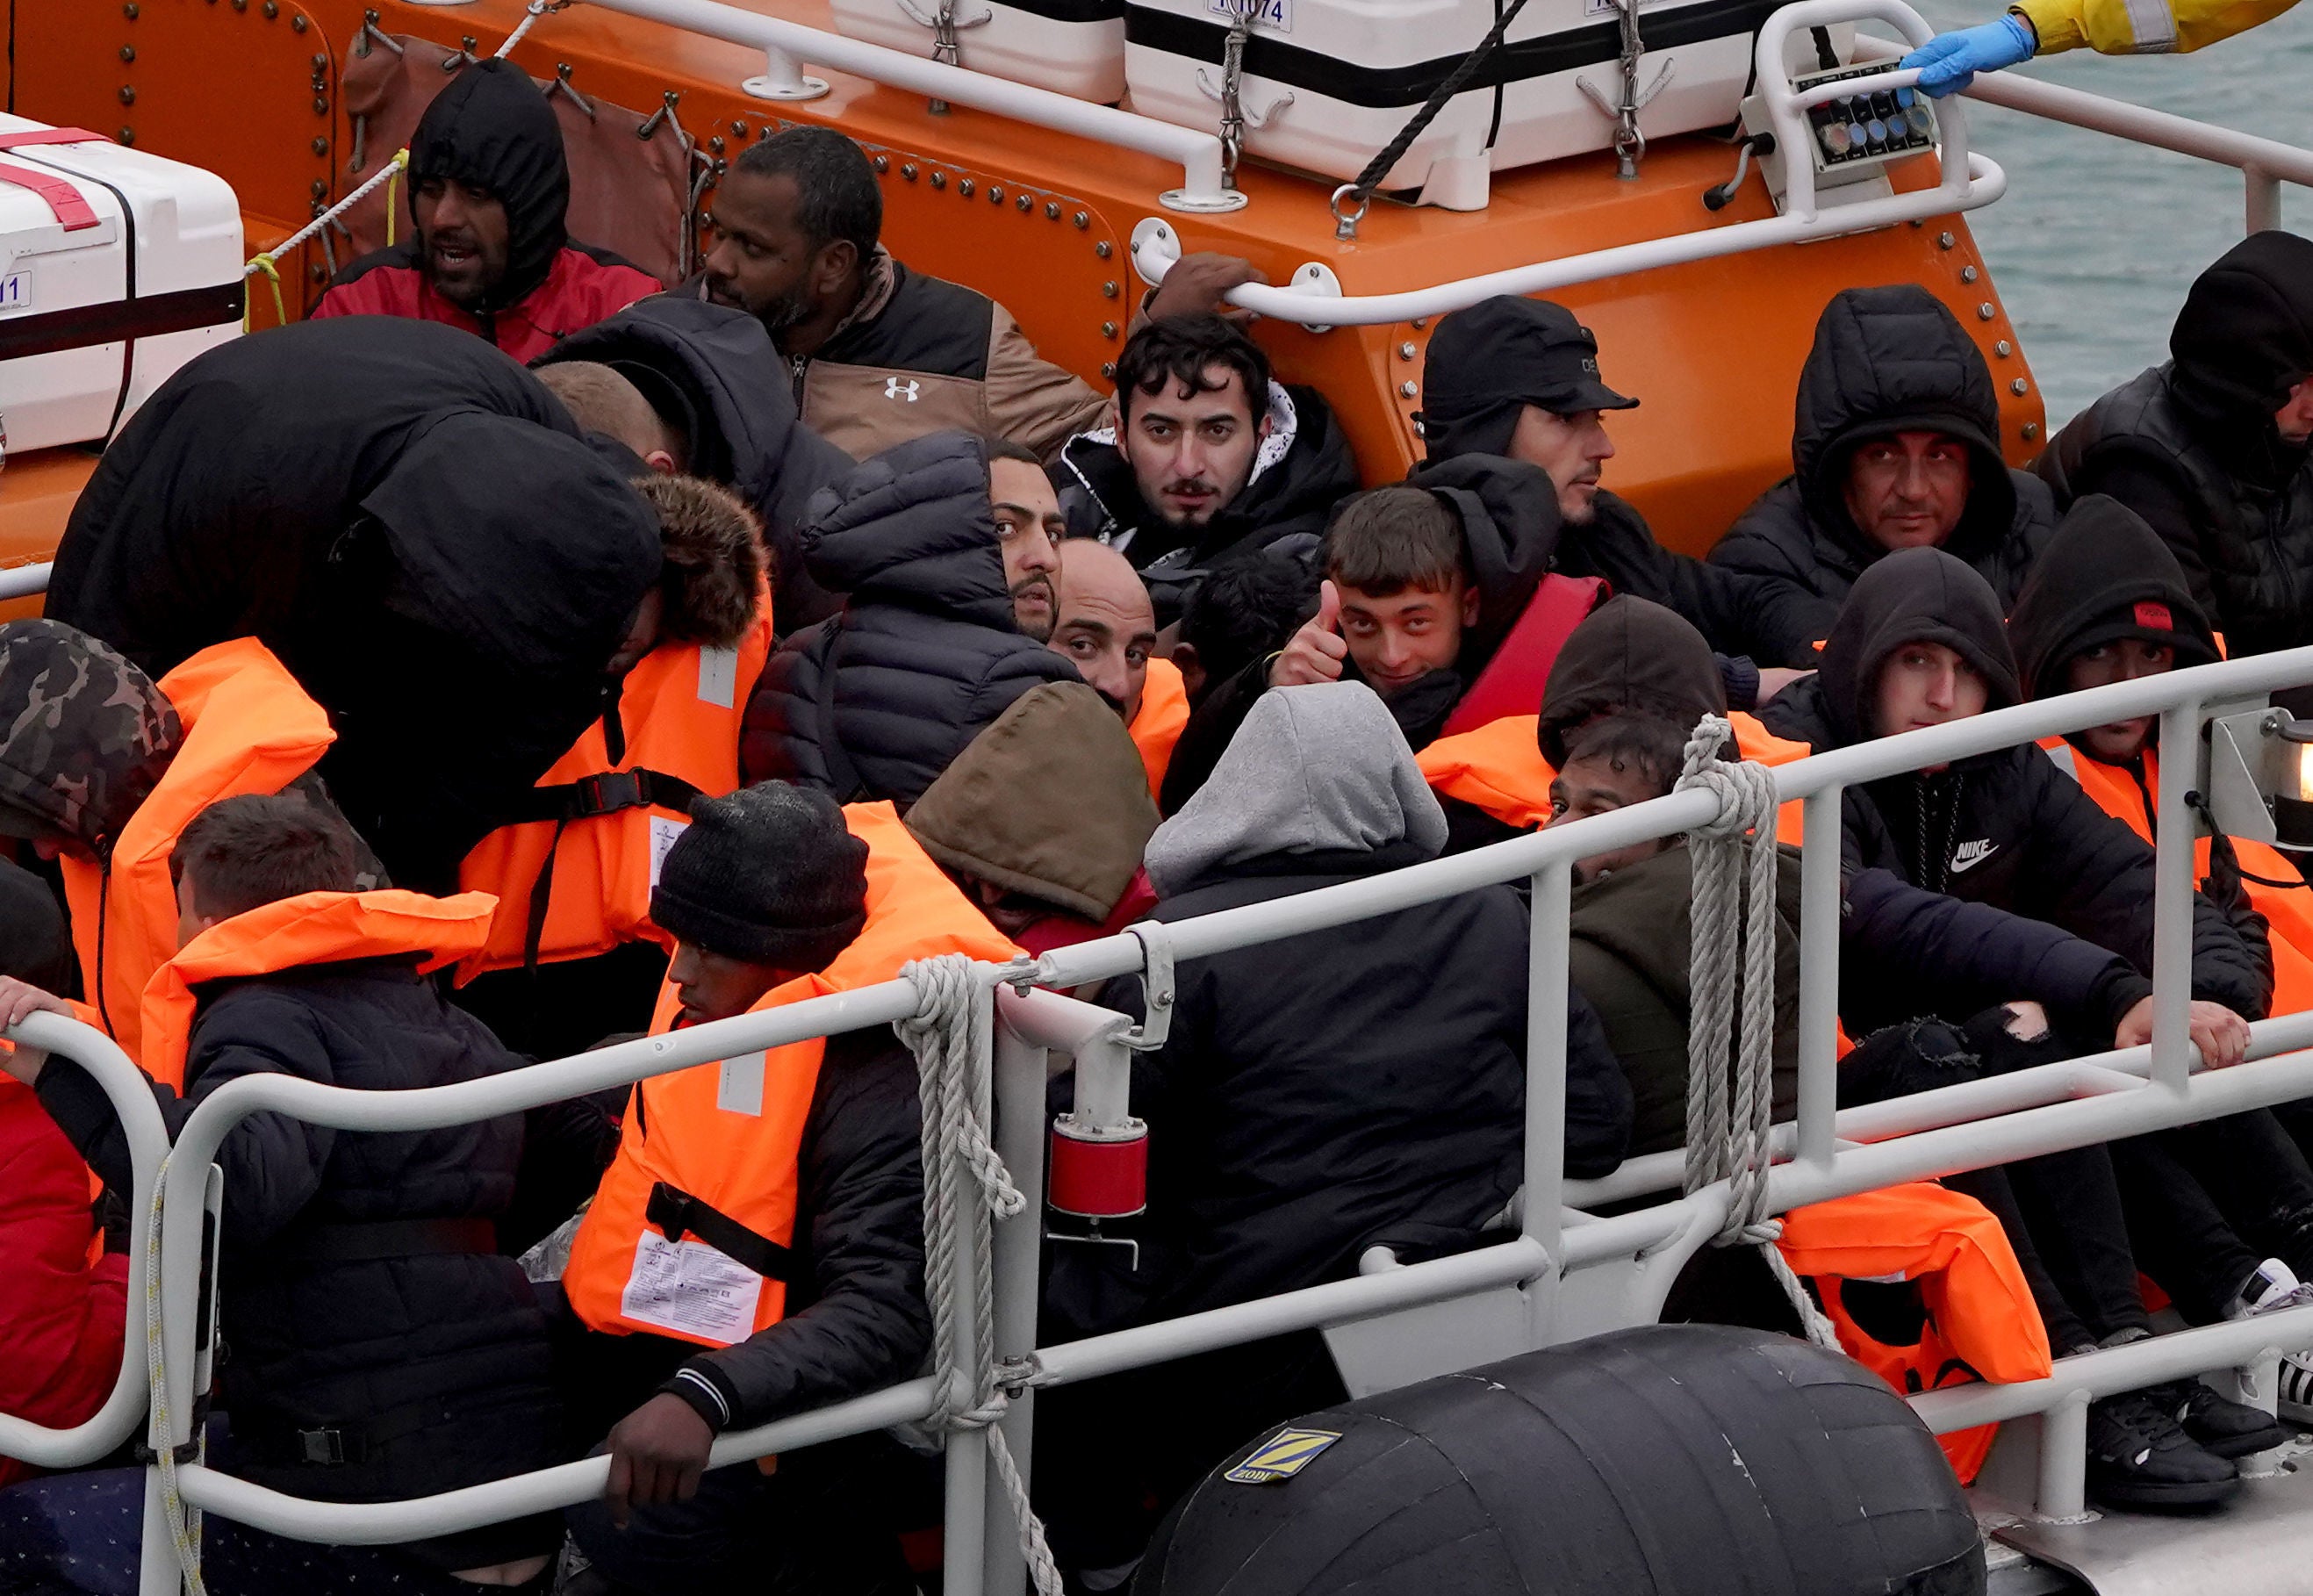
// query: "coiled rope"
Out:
[949,1036]
[1733,946]
[184,1523]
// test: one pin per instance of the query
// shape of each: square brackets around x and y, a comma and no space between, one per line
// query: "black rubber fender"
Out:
[1676,1460]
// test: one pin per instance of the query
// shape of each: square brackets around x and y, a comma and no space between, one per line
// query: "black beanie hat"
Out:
[770,875]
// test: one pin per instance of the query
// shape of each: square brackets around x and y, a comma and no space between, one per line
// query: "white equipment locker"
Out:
[1070,46]
[1327,84]
[116,267]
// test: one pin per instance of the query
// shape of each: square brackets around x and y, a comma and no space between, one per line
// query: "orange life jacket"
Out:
[2287,908]
[314,927]
[1513,680]
[689,1232]
[604,824]
[1499,768]
[249,728]
[1980,1323]
[1164,711]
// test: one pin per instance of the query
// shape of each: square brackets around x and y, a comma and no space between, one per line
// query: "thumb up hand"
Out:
[1317,650]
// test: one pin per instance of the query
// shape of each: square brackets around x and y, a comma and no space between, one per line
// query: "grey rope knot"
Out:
[950,1034]
[1730,1053]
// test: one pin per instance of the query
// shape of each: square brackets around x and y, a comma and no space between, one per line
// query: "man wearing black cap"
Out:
[1513,379]
[1895,446]
[488,252]
[781,1248]
[2215,449]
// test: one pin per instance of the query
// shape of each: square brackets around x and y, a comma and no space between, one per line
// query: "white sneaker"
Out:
[2273,1288]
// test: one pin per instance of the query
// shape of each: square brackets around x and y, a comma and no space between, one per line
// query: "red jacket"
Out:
[61,1318]
[582,287]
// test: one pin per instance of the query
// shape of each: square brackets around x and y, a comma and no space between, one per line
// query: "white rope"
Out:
[267,256]
[949,1034]
[1733,946]
[531,13]
[184,1523]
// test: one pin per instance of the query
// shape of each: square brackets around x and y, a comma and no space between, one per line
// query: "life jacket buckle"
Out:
[610,792]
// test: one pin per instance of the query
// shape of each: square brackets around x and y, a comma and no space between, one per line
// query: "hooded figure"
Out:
[2005,829]
[2107,579]
[492,133]
[1043,817]
[1509,521]
[712,375]
[1886,361]
[876,702]
[87,737]
[1302,470]
[2193,446]
[411,523]
[1350,1086]
[1628,657]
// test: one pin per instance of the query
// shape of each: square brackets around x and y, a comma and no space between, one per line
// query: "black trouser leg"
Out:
[2259,1178]
[2184,1238]
[1991,1188]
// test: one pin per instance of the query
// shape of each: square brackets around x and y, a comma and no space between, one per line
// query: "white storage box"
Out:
[116,267]
[1328,83]
[1070,46]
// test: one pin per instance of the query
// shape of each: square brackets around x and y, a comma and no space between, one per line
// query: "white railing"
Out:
[25,581]
[1556,1251]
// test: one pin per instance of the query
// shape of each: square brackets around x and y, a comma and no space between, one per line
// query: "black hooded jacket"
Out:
[428,1357]
[2007,829]
[1885,360]
[2106,576]
[2191,446]
[875,701]
[1508,514]
[712,373]
[411,522]
[1101,497]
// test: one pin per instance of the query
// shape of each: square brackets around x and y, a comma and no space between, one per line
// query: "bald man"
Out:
[1104,623]
[599,399]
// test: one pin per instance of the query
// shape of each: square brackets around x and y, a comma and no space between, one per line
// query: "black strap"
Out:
[676,1212]
[611,792]
[267,1435]
[362,1243]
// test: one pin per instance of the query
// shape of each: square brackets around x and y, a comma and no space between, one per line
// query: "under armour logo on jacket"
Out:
[1968,855]
[895,389]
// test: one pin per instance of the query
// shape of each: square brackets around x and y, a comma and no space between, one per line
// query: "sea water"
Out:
[2097,239]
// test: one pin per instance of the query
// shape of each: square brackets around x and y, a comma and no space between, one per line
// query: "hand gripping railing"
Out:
[71,1045]
[2087,1100]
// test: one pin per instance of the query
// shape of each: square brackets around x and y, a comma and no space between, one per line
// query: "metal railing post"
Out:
[2172,902]
[964,1519]
[1819,887]
[2064,1458]
[1020,1144]
[1548,944]
[2264,198]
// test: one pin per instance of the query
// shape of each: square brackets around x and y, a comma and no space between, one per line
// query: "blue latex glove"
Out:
[1949,62]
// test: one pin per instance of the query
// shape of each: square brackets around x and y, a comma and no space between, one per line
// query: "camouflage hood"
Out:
[84,735]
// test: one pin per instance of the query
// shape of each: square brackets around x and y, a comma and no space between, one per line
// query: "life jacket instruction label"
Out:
[1284,1455]
[689,1287]
[739,1088]
[662,833]
[719,677]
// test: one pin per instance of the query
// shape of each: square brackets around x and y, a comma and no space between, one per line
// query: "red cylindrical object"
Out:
[1099,1172]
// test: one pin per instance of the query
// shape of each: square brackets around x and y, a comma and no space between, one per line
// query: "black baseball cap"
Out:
[1487,363]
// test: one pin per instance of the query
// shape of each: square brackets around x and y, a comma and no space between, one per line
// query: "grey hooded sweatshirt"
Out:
[1361,1084]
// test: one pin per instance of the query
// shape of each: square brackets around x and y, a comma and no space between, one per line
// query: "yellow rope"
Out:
[400,165]
[264,265]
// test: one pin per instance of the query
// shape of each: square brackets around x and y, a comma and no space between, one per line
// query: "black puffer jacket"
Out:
[856,1320]
[1509,515]
[410,521]
[1292,498]
[876,702]
[2005,829]
[1885,360]
[712,373]
[2191,447]
[433,1367]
